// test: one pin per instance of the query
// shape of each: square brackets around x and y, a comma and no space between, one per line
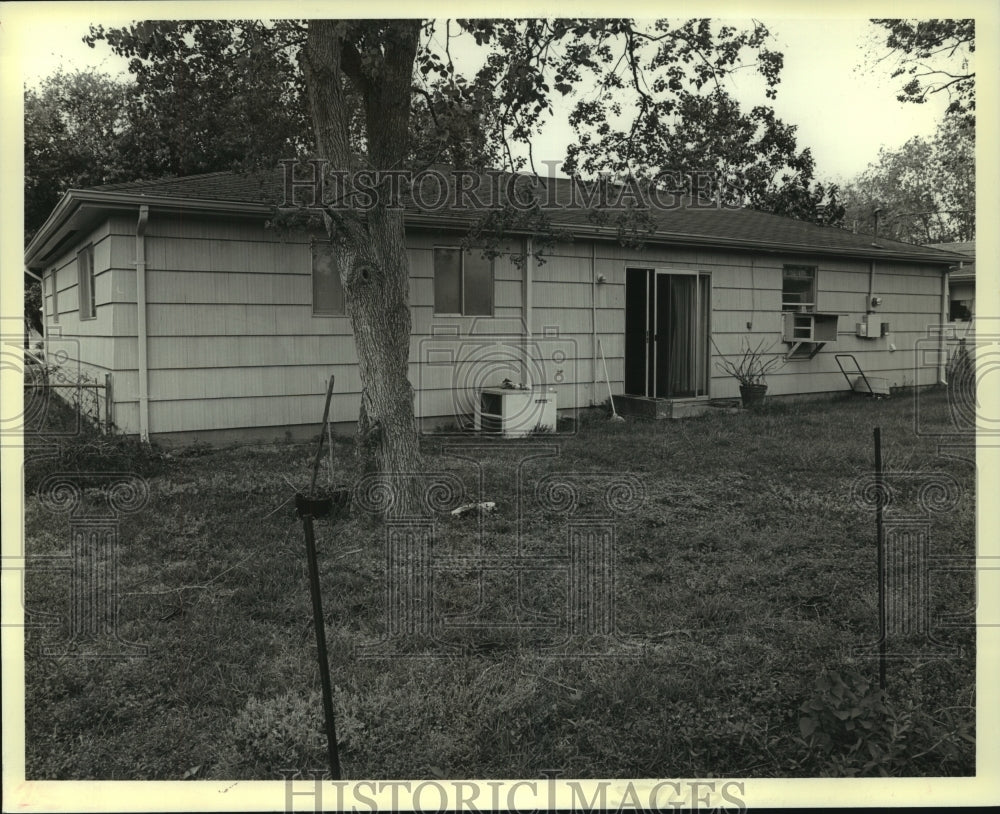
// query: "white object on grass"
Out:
[486,507]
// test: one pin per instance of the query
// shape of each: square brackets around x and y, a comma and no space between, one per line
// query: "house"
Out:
[961,282]
[213,324]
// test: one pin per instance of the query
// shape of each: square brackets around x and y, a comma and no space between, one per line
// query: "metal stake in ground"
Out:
[309,506]
[880,542]
[322,429]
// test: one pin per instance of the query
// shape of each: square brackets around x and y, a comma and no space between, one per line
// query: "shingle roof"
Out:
[684,221]
[212,186]
[960,246]
[966,247]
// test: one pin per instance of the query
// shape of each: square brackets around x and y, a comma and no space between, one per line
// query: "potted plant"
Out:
[750,369]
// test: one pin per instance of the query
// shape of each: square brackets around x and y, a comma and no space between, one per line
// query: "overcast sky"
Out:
[845,108]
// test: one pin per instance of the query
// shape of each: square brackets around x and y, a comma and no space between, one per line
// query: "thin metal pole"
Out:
[107,403]
[880,541]
[322,429]
[329,449]
[306,504]
[324,664]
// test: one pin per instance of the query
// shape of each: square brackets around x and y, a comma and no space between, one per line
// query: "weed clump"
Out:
[281,734]
[67,442]
[850,727]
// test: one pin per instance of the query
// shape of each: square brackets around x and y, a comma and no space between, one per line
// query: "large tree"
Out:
[754,155]
[73,126]
[202,97]
[926,189]
[210,95]
[369,83]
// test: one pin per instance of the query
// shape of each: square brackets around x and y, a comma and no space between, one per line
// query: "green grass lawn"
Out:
[745,582]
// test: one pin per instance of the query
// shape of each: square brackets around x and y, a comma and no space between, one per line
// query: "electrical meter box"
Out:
[872,329]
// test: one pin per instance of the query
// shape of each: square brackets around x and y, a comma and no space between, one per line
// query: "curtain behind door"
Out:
[681,346]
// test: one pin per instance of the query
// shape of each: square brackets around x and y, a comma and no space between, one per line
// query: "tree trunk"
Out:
[372,257]
[377,289]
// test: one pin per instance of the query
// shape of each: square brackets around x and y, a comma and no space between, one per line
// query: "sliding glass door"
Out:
[666,333]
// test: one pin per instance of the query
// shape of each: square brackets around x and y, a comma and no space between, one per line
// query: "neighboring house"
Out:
[213,324]
[961,281]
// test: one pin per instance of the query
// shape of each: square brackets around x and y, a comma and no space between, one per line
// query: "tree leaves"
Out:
[74,125]
[211,95]
[645,97]
[926,189]
[936,56]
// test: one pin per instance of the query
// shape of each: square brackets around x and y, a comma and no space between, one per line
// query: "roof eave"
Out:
[56,217]
[711,241]
[111,201]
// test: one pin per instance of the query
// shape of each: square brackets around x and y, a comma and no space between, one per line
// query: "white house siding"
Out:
[746,288]
[83,349]
[233,346]
[232,341]
[444,390]
[911,303]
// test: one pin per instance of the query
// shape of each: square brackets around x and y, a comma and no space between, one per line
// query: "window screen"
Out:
[463,282]
[798,290]
[328,293]
[447,281]
[85,283]
[478,284]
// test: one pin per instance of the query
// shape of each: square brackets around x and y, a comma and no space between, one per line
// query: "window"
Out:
[798,288]
[327,291]
[463,282]
[53,283]
[85,283]
[961,311]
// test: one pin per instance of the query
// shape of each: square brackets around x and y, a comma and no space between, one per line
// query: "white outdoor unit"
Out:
[515,413]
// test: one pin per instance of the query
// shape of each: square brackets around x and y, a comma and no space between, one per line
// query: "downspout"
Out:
[140,303]
[942,350]
[593,319]
[871,268]
[529,264]
[968,327]
[871,286]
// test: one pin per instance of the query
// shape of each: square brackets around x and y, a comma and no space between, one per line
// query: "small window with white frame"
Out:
[85,282]
[798,288]
[463,282]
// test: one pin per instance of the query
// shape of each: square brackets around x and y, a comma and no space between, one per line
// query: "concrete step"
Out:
[660,408]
